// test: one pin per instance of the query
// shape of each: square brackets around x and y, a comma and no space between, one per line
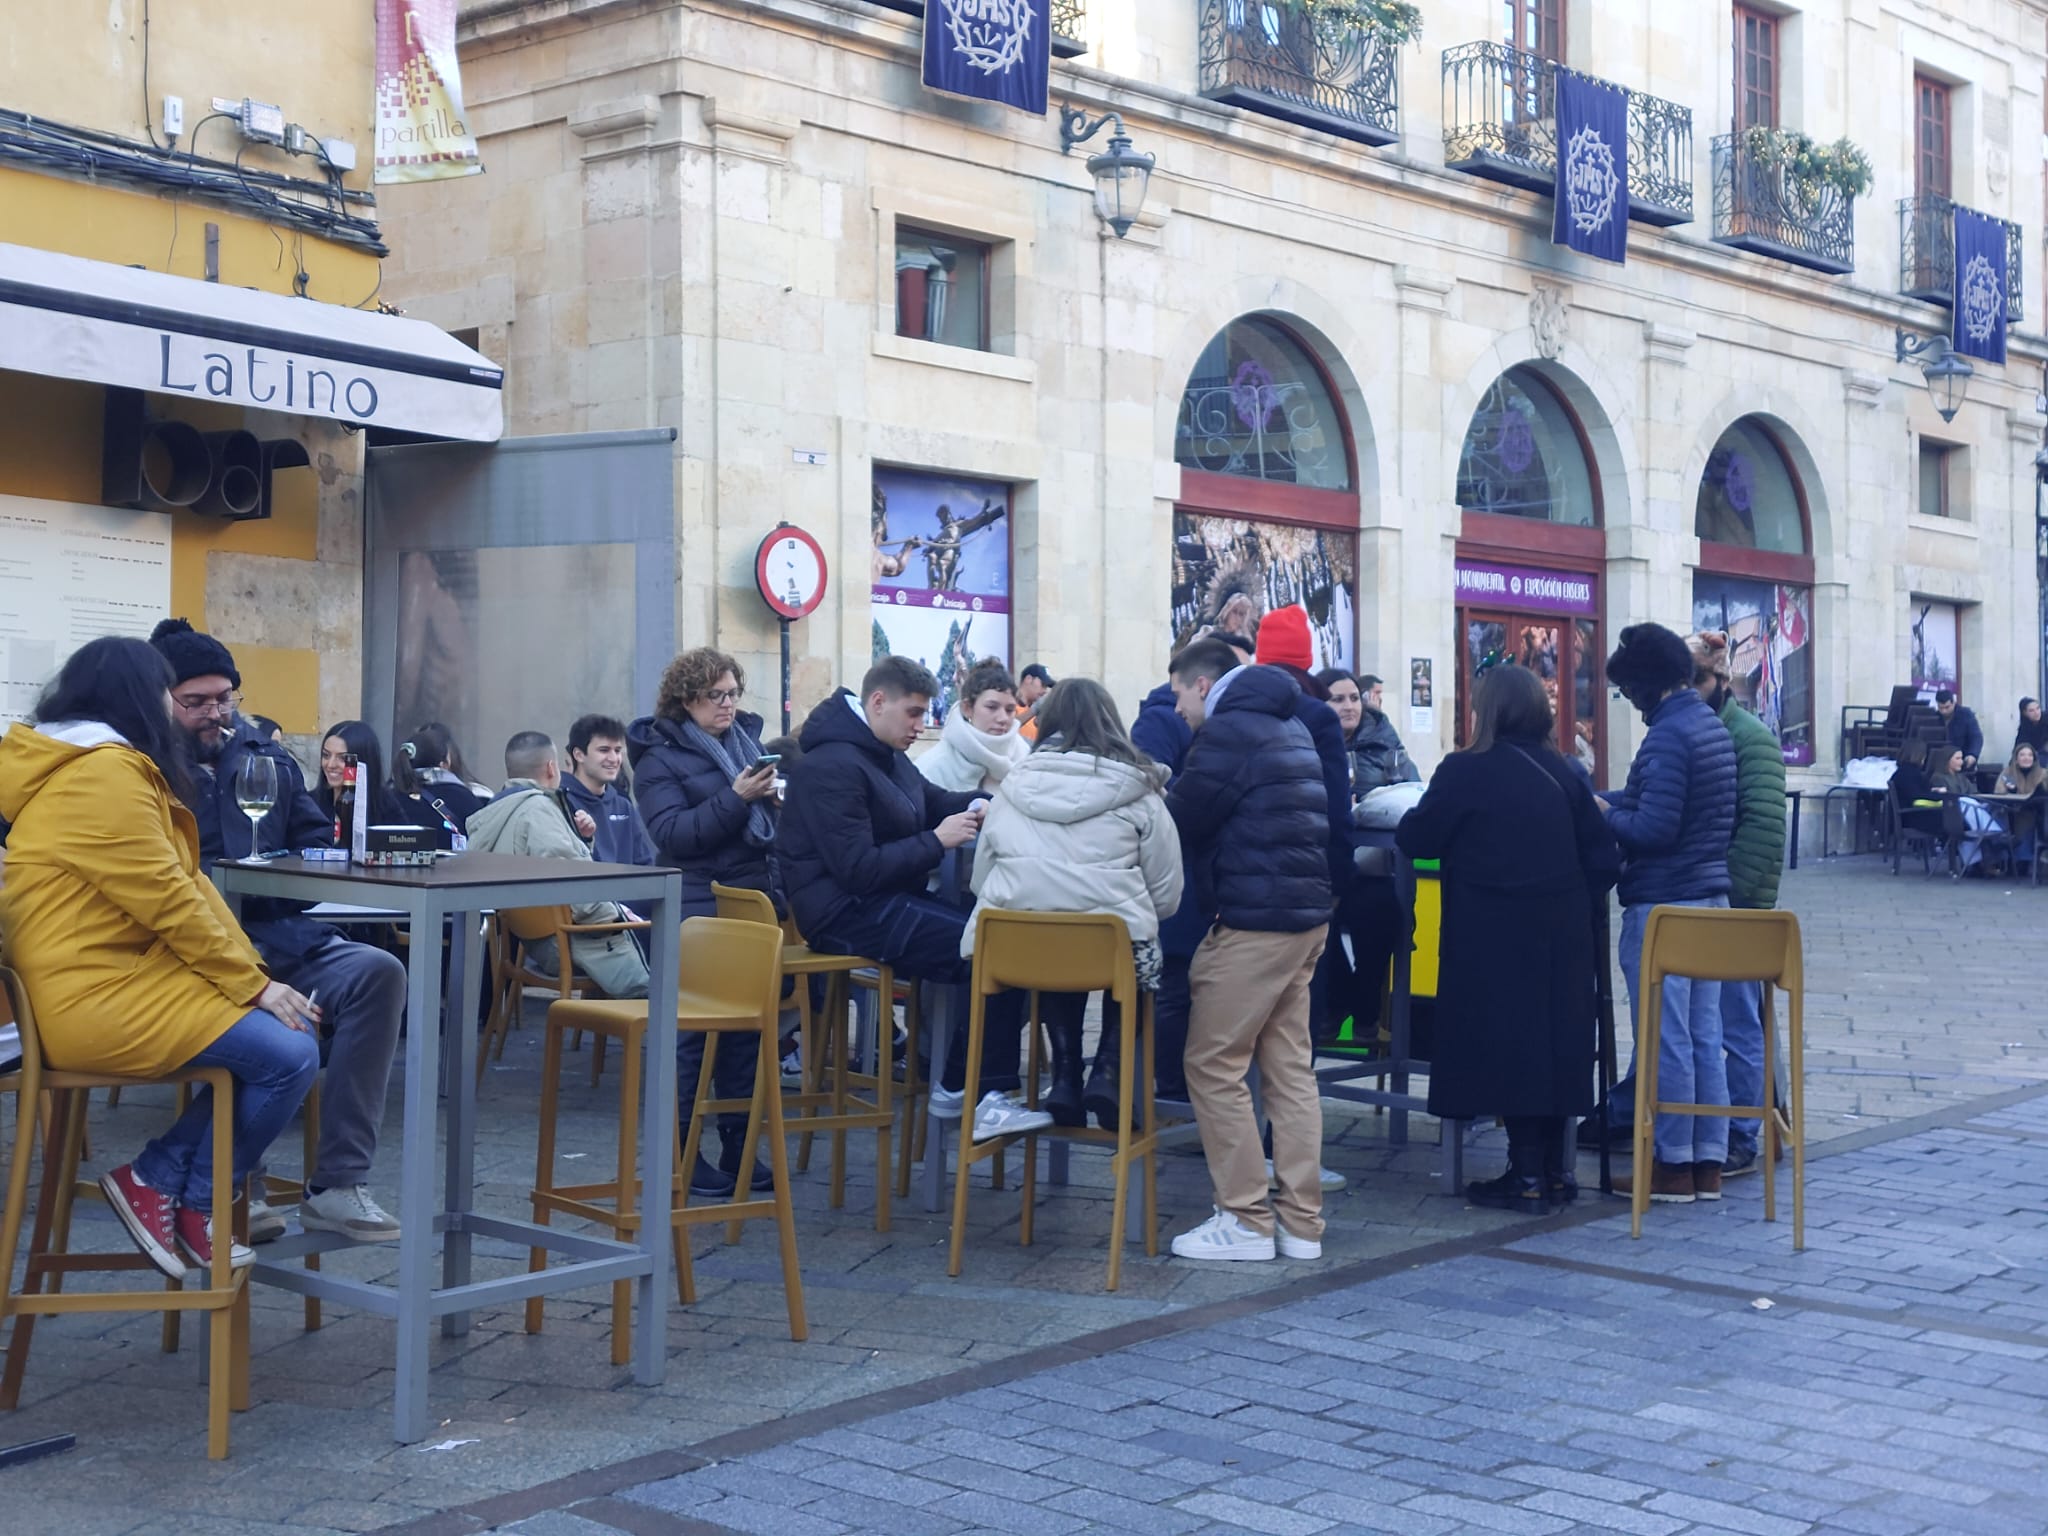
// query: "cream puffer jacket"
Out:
[1070,832]
[966,760]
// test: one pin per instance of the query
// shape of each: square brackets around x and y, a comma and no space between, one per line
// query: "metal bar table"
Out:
[464,886]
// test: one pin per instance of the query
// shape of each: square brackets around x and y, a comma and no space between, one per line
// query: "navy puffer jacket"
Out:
[1676,818]
[1253,811]
[693,815]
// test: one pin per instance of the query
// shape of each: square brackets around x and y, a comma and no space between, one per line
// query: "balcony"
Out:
[1927,254]
[1069,23]
[1769,208]
[1500,122]
[1324,71]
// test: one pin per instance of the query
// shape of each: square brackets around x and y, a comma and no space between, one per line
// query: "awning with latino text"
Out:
[69,318]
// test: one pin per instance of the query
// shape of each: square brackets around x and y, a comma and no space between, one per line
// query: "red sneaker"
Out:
[195,1236]
[146,1213]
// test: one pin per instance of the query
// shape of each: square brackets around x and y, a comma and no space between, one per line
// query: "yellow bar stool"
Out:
[1726,944]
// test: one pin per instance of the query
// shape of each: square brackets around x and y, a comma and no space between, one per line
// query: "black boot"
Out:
[1521,1187]
[1104,1079]
[1063,1027]
[731,1143]
[1560,1178]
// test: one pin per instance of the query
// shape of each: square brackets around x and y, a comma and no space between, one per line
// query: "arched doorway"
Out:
[1755,578]
[1529,556]
[1268,513]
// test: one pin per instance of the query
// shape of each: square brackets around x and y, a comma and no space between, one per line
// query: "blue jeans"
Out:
[273,1066]
[1742,1034]
[1690,1066]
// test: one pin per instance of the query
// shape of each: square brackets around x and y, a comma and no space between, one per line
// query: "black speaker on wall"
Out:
[155,465]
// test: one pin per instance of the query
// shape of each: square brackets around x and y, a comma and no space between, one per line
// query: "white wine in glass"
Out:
[256,793]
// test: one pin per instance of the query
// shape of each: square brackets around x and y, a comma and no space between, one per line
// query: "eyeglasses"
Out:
[723,696]
[223,704]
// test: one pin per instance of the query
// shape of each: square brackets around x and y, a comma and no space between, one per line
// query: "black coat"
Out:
[858,823]
[695,817]
[1526,855]
[1254,812]
[295,820]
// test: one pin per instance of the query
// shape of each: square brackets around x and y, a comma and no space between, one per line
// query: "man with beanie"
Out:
[361,989]
[1674,821]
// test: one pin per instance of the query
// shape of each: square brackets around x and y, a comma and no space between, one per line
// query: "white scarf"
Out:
[995,756]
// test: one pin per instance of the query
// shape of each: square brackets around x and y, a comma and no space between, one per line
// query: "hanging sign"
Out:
[422,134]
[1978,302]
[993,50]
[1591,214]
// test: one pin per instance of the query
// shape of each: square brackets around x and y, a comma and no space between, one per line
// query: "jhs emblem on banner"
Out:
[1592,167]
[421,135]
[1981,275]
[994,50]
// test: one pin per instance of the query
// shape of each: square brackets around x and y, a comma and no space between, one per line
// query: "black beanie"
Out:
[192,654]
[1650,662]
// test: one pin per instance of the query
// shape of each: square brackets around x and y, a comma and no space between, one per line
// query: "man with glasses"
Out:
[361,989]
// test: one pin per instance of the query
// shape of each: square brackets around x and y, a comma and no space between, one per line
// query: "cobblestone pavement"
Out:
[1917,1007]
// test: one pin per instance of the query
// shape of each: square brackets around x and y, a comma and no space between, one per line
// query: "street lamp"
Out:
[1948,375]
[1121,174]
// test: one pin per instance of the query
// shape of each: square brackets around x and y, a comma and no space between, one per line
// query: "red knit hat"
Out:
[1283,638]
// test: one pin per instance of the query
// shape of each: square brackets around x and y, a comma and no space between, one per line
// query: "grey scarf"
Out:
[738,751]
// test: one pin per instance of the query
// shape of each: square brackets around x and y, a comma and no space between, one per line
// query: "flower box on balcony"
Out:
[1772,204]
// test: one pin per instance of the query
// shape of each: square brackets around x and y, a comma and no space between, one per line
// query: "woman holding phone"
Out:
[706,791]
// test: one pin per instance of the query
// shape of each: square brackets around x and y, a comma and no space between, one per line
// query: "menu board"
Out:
[68,574]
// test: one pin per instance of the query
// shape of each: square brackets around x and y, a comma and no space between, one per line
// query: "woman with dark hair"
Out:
[1079,826]
[424,778]
[352,738]
[135,964]
[706,793]
[2033,731]
[267,730]
[980,741]
[1526,856]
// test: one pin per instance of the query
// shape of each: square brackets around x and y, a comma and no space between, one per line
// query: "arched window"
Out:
[1256,405]
[1525,457]
[1755,579]
[1267,514]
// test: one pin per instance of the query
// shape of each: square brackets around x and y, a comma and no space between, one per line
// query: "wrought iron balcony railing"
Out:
[1766,207]
[1321,71]
[1069,23]
[1500,122]
[1927,255]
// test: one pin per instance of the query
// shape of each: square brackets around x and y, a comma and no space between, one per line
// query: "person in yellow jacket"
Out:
[133,961]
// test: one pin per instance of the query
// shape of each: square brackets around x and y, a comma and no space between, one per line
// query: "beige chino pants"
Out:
[1250,1000]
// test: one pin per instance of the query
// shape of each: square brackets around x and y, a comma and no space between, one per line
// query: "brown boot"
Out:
[1706,1181]
[1670,1183]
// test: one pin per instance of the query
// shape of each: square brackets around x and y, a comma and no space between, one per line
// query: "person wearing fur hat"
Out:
[1674,821]
[361,989]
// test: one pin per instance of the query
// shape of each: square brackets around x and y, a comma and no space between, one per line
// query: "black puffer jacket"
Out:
[1377,756]
[1676,818]
[691,811]
[1253,810]
[858,823]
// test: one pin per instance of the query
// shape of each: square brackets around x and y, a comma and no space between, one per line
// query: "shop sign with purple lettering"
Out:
[1519,586]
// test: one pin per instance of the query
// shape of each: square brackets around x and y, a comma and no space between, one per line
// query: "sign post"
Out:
[789,569]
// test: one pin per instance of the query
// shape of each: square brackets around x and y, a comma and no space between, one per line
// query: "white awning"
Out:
[69,318]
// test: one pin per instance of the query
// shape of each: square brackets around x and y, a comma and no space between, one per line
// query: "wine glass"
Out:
[256,793]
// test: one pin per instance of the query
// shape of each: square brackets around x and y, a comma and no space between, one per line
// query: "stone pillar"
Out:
[1415,577]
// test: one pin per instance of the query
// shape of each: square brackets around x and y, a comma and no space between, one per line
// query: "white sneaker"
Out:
[266,1222]
[1292,1247]
[351,1212]
[1222,1236]
[1000,1115]
[793,1069]
[946,1103]
[1328,1178]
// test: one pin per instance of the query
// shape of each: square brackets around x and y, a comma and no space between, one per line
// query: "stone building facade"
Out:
[1337,356]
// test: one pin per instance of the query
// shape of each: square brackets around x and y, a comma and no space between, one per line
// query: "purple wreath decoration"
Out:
[1252,394]
[1737,482]
[1517,443]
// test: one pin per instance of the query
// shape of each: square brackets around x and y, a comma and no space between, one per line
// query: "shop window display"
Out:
[1770,651]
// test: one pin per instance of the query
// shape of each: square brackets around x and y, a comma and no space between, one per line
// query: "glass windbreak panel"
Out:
[1770,651]
[1522,456]
[1256,406]
[1747,495]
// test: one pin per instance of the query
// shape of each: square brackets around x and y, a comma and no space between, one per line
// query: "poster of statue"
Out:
[1229,573]
[941,573]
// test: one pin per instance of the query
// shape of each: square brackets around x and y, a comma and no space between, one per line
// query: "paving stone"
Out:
[1245,1515]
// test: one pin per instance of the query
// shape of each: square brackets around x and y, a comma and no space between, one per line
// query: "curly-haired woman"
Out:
[708,801]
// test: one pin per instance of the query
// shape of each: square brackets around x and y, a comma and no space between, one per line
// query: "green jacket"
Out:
[1757,856]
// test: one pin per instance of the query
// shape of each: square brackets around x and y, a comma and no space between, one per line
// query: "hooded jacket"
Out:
[1070,832]
[1676,815]
[1253,810]
[526,819]
[133,960]
[1377,756]
[967,760]
[621,836]
[857,826]
[1159,732]
[1756,854]
[693,815]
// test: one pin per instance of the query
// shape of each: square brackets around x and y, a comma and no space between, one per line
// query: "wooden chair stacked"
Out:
[1064,952]
[224,1295]
[731,984]
[839,1092]
[1723,944]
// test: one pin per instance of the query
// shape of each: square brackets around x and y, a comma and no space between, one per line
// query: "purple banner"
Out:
[1523,587]
[960,602]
